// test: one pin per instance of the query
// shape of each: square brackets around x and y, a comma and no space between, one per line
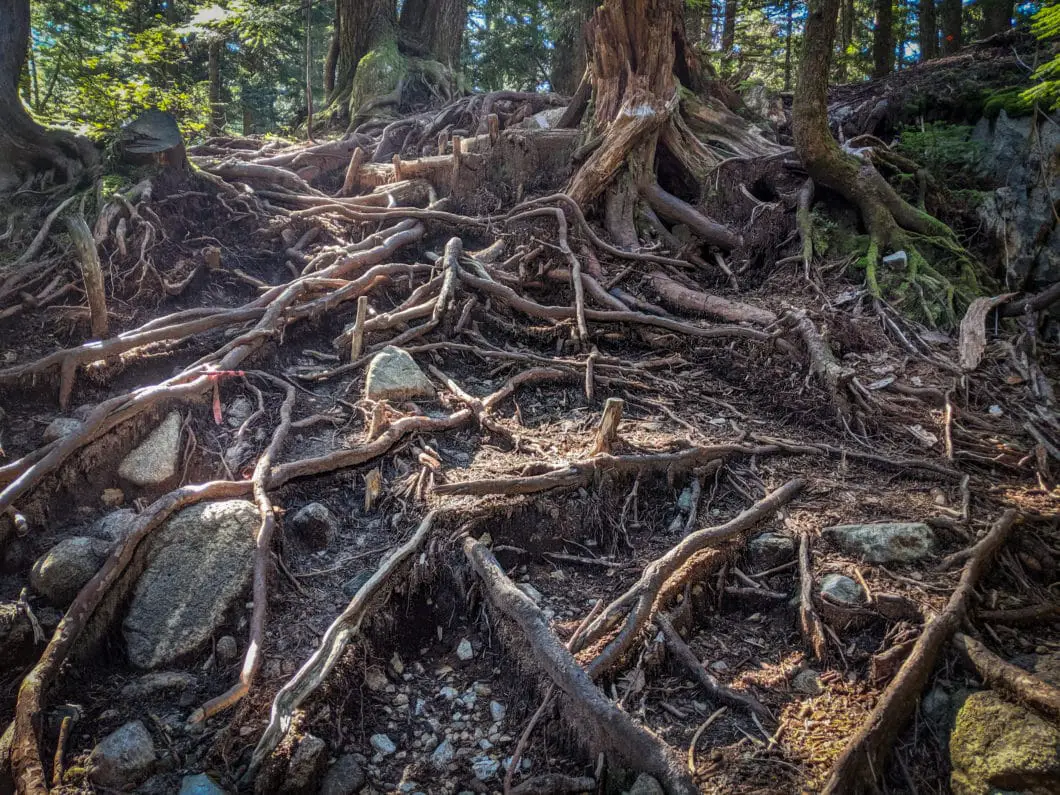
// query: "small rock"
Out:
[227,649]
[443,755]
[840,588]
[238,411]
[382,744]
[769,550]
[345,777]
[646,785]
[394,375]
[884,542]
[63,570]
[150,684]
[535,595]
[719,666]
[497,711]
[154,461]
[396,665]
[200,784]
[484,768]
[116,525]
[356,582]
[449,693]
[112,498]
[315,525]
[124,758]
[807,681]
[935,706]
[306,767]
[60,427]
[375,680]
[464,650]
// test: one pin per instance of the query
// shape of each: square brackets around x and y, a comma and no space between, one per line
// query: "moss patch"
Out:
[378,73]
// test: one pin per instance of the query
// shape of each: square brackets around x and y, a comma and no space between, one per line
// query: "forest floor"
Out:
[715,418]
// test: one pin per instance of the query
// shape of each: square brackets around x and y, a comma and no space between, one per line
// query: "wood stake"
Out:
[493,123]
[357,338]
[607,433]
[350,182]
[396,160]
[443,139]
[91,272]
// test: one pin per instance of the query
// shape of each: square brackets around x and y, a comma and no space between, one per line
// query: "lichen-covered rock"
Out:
[116,525]
[884,542]
[769,550]
[124,758]
[154,461]
[345,777]
[306,768]
[60,427]
[64,569]
[199,566]
[394,375]
[200,784]
[997,746]
[842,589]
[314,524]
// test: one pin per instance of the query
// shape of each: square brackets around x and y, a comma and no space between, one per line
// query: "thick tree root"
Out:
[612,730]
[1013,681]
[863,759]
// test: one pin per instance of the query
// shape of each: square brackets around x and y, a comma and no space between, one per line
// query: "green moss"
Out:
[1011,100]
[378,73]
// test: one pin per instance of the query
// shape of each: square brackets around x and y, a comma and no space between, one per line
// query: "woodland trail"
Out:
[543,572]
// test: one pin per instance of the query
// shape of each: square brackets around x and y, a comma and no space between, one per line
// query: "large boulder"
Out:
[63,570]
[999,747]
[154,461]
[884,542]
[124,758]
[199,566]
[394,375]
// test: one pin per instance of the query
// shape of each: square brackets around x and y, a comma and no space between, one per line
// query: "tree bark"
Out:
[568,54]
[728,31]
[883,39]
[361,25]
[436,27]
[217,115]
[997,17]
[952,15]
[929,32]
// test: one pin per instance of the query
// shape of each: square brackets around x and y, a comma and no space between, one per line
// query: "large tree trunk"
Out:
[952,14]
[361,26]
[728,31]
[435,27]
[217,111]
[997,17]
[929,31]
[26,148]
[883,39]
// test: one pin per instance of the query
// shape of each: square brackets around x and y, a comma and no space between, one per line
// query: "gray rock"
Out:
[116,525]
[375,680]
[238,411]
[200,784]
[227,649]
[646,785]
[808,681]
[306,767]
[64,569]
[198,567]
[935,706]
[60,427]
[124,758]
[151,684]
[497,711]
[884,542]
[345,777]
[382,744]
[443,755]
[841,589]
[356,582]
[464,650]
[769,550]
[394,375]
[314,524]
[154,461]
[485,768]
[999,746]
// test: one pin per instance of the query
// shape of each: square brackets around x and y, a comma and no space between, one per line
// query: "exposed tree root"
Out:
[810,624]
[1010,679]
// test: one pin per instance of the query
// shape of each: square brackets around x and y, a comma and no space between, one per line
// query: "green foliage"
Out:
[1046,93]
[378,73]
[944,149]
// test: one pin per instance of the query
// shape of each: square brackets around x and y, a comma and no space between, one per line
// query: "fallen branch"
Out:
[809,622]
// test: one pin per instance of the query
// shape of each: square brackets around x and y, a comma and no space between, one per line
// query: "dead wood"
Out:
[607,432]
[1013,681]
[91,273]
[810,624]
[1019,616]
[972,341]
[864,756]
[612,730]
[681,297]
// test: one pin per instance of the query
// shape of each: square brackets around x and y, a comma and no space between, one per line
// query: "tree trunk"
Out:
[787,44]
[332,60]
[436,27]
[361,26]
[217,111]
[883,39]
[568,54]
[26,148]
[952,14]
[728,31]
[929,32]
[997,17]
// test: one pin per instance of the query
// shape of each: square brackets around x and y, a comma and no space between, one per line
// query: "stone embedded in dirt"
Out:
[769,550]
[227,649]
[375,680]
[394,375]
[151,684]
[60,427]
[199,566]
[535,595]
[64,569]
[842,589]
[497,711]
[884,542]
[314,524]
[484,767]
[112,498]
[345,777]
[997,745]
[154,461]
[116,525]
[443,755]
[646,785]
[123,758]
[200,784]
[935,706]
[306,768]
[356,582]
[807,681]
[464,650]
[382,744]
[449,693]
[238,411]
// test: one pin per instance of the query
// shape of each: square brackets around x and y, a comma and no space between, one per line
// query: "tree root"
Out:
[810,624]
[611,728]
[1024,687]
[863,758]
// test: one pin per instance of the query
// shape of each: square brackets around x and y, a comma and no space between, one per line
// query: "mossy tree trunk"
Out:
[951,13]
[360,27]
